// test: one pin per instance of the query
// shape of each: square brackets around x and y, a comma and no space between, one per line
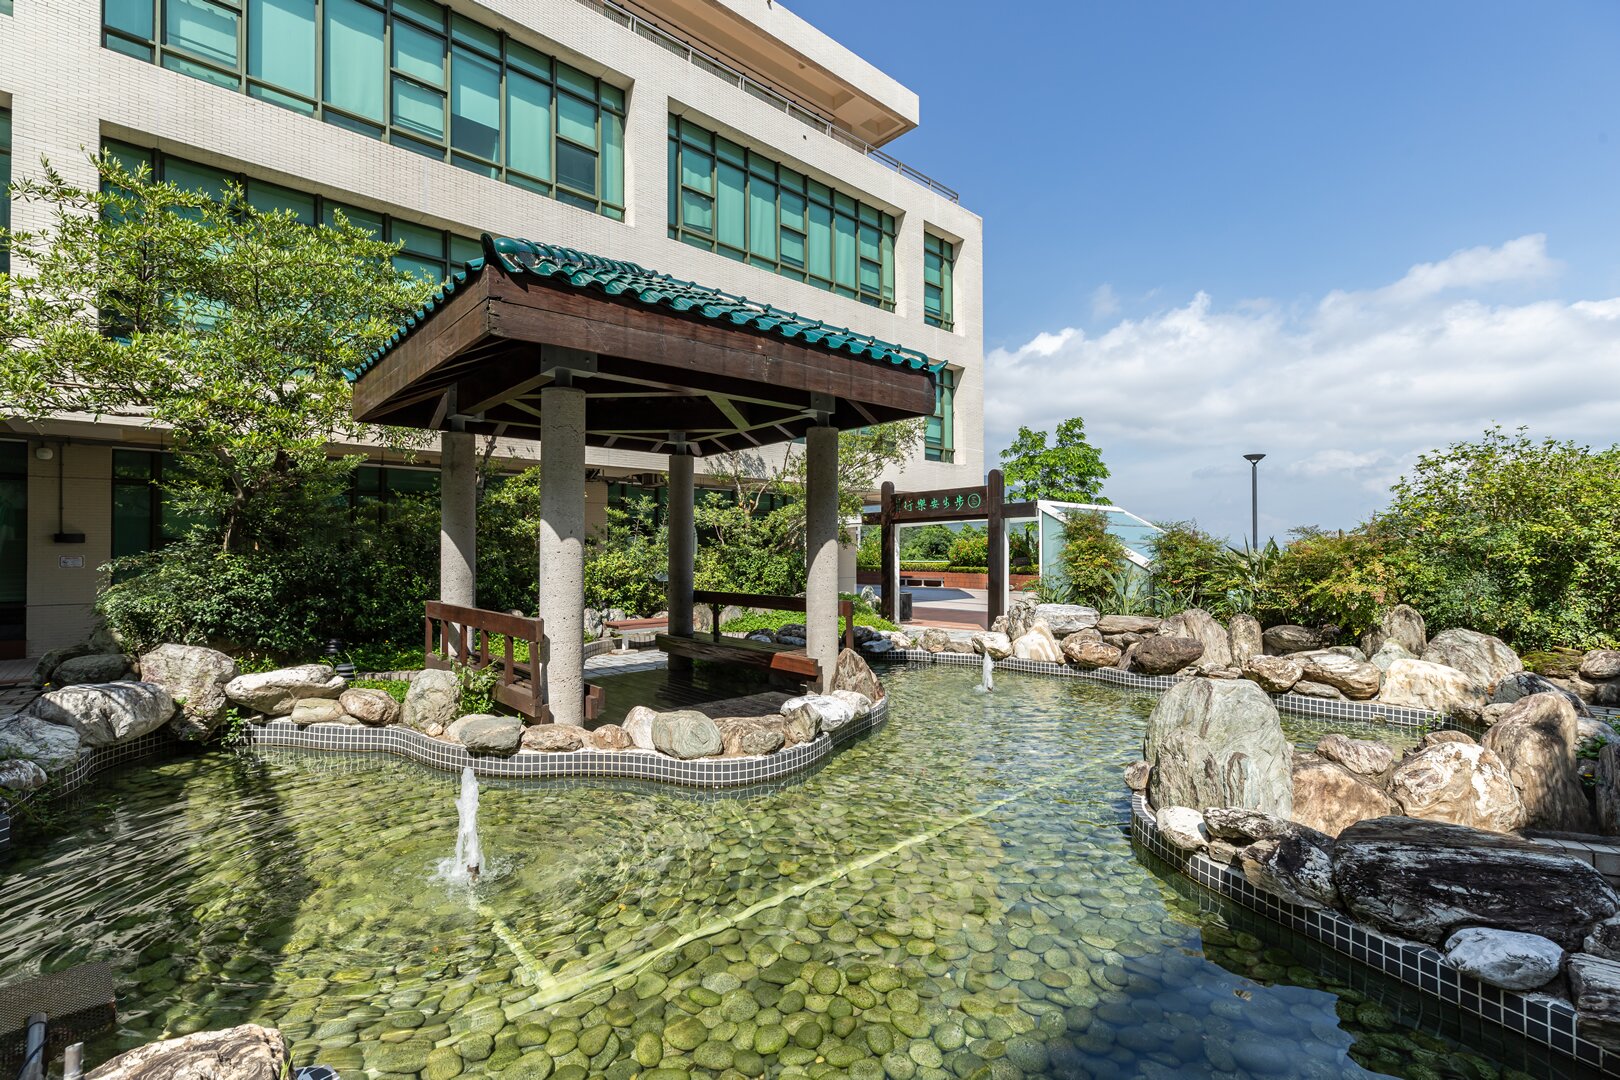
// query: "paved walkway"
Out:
[16,685]
[951,609]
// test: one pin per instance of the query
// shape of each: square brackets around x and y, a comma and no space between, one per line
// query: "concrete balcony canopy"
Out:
[654,356]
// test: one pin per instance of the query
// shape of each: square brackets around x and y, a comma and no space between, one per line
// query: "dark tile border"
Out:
[577,764]
[1368,712]
[1548,1021]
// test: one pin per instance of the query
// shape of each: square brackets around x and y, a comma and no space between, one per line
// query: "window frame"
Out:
[606,99]
[942,447]
[945,281]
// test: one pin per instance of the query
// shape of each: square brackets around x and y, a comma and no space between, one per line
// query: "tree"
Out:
[1070,470]
[235,329]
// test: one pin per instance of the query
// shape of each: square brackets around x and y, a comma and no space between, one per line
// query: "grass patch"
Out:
[775,620]
[394,688]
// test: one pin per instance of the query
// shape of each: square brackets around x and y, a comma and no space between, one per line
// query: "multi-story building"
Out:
[724,141]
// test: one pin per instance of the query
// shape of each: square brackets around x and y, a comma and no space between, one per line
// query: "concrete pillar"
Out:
[682,552]
[458,519]
[562,549]
[821,549]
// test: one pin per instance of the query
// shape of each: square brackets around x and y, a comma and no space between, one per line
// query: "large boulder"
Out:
[1401,625]
[1273,674]
[370,706]
[1355,679]
[1065,619]
[1288,638]
[1128,624]
[638,724]
[91,668]
[1330,798]
[1182,827]
[1481,657]
[1364,757]
[990,643]
[273,692]
[1020,614]
[1088,653]
[319,710]
[1218,743]
[1505,958]
[1204,628]
[1522,684]
[107,713]
[1308,688]
[607,737]
[1423,684]
[935,640]
[1594,990]
[45,668]
[1600,665]
[53,747]
[820,712]
[1162,654]
[196,678]
[1537,740]
[1038,644]
[550,738]
[1425,880]
[1243,826]
[249,1052]
[484,733]
[685,734]
[749,736]
[433,702]
[850,672]
[1389,652]
[1290,867]
[860,706]
[1248,639]
[1460,783]
[19,775]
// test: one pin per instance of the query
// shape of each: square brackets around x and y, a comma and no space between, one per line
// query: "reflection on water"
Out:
[952,896]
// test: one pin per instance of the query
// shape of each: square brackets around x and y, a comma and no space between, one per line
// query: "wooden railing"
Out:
[454,635]
[718,600]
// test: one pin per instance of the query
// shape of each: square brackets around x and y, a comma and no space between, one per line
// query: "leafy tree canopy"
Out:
[1070,470]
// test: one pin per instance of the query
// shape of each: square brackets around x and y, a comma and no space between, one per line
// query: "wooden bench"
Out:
[639,629]
[790,660]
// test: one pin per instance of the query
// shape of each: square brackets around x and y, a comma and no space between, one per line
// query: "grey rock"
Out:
[1128,624]
[1364,757]
[1182,827]
[822,712]
[1224,851]
[19,775]
[1606,794]
[1401,625]
[53,747]
[376,708]
[1537,741]
[1594,990]
[1330,798]
[196,677]
[319,711]
[433,699]
[996,645]
[1065,619]
[45,669]
[273,692]
[1461,783]
[249,1052]
[934,640]
[750,736]
[1204,628]
[1248,639]
[1522,684]
[1604,939]
[1163,654]
[92,668]
[1425,880]
[860,706]
[1290,867]
[551,738]
[1601,665]
[483,733]
[1020,614]
[876,646]
[1307,688]
[1439,688]
[1273,674]
[686,734]
[1389,652]
[1218,744]
[1288,638]
[106,714]
[1136,775]
[638,725]
[1244,826]
[1355,679]
[1506,958]
[1481,657]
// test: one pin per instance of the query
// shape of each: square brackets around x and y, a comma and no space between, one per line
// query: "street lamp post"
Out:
[1254,498]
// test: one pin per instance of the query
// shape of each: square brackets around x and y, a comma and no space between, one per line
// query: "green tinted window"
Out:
[939,441]
[746,206]
[939,257]
[404,71]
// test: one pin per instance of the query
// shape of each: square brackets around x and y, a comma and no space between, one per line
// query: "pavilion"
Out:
[541,342]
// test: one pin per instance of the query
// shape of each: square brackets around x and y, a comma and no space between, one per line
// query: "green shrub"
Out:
[970,548]
[1090,555]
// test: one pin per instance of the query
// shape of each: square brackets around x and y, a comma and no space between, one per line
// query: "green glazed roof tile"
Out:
[618,278]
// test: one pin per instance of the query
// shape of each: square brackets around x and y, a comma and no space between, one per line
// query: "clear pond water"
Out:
[953,896]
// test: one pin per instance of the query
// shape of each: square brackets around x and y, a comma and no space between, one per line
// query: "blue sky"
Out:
[1204,219]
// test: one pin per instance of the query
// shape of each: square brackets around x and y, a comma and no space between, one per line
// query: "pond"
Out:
[953,895]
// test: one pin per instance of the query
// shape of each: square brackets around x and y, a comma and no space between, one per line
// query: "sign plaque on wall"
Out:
[70,562]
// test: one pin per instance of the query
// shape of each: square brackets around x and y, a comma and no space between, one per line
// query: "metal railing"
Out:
[771,96]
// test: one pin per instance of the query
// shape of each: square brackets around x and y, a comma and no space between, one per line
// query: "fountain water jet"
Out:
[988,683]
[469,858]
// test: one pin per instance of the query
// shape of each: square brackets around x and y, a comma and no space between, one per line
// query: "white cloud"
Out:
[1341,395]
[1104,303]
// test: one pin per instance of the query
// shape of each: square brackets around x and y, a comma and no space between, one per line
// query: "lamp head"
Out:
[1253,459]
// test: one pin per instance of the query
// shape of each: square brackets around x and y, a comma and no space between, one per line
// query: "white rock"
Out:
[997,645]
[858,703]
[638,725]
[1038,644]
[18,775]
[105,714]
[196,678]
[1505,958]
[828,713]
[1183,827]
[273,692]
[51,746]
[1423,684]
